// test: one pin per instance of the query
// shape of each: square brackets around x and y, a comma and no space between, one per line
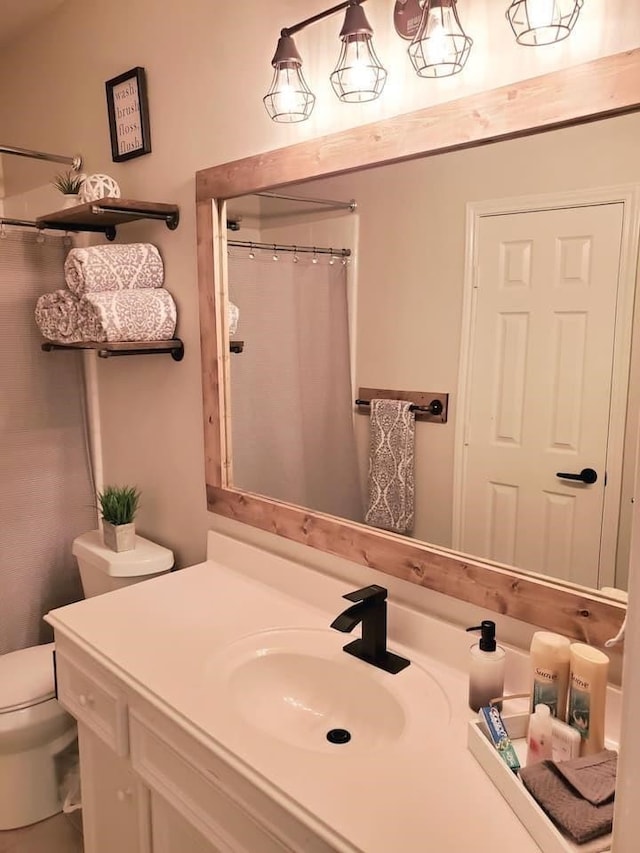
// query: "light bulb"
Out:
[540,22]
[437,49]
[440,46]
[359,75]
[289,99]
[542,13]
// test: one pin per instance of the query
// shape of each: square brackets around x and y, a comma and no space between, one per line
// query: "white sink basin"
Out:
[297,685]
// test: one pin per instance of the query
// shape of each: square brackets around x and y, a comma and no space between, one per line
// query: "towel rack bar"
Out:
[75,162]
[427,405]
[21,223]
[434,408]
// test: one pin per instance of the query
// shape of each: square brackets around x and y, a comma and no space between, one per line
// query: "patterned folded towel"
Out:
[62,316]
[129,315]
[113,267]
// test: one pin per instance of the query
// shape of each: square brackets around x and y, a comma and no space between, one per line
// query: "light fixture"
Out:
[440,47]
[538,22]
[359,75]
[289,99]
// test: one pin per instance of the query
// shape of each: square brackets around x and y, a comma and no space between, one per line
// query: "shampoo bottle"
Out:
[587,695]
[550,672]
[486,668]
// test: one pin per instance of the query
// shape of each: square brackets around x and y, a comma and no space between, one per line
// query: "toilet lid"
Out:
[26,677]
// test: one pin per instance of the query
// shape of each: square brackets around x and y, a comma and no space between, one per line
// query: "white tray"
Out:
[539,826]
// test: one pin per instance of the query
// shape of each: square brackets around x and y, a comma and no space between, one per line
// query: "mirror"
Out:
[402,312]
[490,584]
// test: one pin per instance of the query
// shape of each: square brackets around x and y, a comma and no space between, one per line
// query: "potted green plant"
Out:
[69,184]
[118,507]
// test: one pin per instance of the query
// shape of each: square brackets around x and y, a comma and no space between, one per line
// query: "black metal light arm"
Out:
[291,31]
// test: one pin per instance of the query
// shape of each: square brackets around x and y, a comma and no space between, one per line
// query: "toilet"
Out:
[34,729]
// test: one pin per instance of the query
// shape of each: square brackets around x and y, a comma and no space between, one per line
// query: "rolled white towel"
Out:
[133,315]
[233,315]
[113,268]
[63,316]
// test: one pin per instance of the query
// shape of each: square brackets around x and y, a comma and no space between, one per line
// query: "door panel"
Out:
[540,380]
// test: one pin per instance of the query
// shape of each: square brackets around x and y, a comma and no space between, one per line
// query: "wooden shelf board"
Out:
[107,213]
[105,349]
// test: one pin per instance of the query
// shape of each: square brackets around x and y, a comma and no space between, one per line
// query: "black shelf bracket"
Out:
[171,219]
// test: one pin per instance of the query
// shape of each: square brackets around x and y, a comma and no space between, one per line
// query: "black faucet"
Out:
[371,610]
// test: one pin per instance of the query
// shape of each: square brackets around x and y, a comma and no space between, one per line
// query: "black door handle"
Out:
[587,475]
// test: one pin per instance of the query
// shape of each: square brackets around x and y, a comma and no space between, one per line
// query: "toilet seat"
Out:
[26,678]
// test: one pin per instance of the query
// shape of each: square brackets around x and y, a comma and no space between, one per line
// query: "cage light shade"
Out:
[440,46]
[537,22]
[289,99]
[359,75]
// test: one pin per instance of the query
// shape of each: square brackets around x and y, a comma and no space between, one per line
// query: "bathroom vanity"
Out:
[204,699]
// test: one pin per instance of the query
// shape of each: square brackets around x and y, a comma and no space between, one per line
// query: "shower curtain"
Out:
[46,498]
[291,397]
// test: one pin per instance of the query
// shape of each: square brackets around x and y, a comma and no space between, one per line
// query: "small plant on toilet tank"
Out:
[118,507]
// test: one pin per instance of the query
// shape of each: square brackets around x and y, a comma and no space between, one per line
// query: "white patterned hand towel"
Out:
[391,466]
[62,316]
[118,267]
[133,315]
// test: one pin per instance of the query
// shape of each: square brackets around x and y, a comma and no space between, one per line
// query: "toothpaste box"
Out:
[490,716]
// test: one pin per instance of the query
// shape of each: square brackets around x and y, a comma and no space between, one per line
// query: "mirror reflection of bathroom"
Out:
[483,274]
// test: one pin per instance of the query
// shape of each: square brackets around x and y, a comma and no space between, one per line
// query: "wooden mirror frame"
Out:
[598,89]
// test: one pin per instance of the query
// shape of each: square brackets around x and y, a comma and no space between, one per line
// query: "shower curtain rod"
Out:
[74,162]
[276,247]
[23,223]
[339,205]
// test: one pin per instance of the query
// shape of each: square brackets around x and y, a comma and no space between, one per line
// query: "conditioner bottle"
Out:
[587,696]
[486,668]
[550,672]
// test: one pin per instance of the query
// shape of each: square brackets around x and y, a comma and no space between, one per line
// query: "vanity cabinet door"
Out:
[115,803]
[171,833]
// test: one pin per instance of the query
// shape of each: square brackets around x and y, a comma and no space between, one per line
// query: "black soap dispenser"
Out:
[486,667]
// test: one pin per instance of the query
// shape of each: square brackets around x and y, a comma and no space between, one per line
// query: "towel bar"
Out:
[427,405]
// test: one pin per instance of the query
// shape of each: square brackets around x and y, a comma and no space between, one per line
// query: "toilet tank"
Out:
[103,570]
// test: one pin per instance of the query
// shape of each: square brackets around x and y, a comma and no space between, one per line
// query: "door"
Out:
[541,362]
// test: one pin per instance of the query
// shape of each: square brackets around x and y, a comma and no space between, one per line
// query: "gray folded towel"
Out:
[572,814]
[593,776]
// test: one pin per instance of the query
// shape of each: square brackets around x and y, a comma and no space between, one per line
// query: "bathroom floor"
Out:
[58,834]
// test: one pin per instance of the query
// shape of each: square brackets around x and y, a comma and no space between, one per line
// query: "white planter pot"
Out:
[119,537]
[70,201]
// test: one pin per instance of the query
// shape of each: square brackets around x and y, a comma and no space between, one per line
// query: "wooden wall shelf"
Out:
[105,349]
[104,215]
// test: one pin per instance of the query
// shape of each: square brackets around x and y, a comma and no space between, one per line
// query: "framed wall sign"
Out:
[128,115]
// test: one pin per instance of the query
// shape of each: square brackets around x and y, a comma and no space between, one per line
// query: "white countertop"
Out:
[424,793]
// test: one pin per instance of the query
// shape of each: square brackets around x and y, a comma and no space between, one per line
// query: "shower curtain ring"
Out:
[252,254]
[3,231]
[295,255]
[40,237]
[275,253]
[314,259]
[332,259]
